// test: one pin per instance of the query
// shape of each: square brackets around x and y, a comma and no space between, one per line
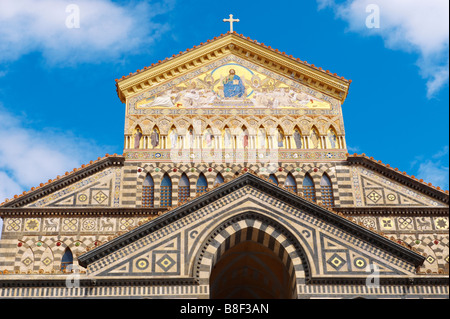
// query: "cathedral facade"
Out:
[235,182]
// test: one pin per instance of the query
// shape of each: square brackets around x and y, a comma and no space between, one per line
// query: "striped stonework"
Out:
[135,174]
[256,228]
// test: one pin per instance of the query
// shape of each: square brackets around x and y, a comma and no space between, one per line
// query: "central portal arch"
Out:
[251,256]
[250,270]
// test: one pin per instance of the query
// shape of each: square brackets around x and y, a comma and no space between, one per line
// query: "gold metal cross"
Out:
[231,20]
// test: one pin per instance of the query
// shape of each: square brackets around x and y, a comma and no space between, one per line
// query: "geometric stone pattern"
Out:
[220,210]
[93,191]
[372,189]
[420,232]
[162,259]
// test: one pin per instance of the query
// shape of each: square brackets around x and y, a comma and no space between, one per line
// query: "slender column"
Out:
[344,144]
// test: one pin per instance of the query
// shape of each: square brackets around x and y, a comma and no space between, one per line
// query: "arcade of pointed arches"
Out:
[307,189]
[236,134]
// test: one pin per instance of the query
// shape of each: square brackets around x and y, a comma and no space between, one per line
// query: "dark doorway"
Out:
[251,271]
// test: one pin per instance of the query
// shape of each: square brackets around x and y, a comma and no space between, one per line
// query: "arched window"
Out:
[290,183]
[280,138]
[262,138]
[173,138]
[155,138]
[309,190]
[273,178]
[166,191]
[297,138]
[227,138]
[219,180]
[332,138]
[67,261]
[184,189]
[148,192]
[326,189]
[315,139]
[208,138]
[202,184]
[138,137]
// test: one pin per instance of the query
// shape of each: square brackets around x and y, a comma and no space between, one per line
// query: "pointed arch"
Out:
[273,178]
[166,191]
[326,189]
[315,138]
[47,260]
[67,261]
[290,183]
[138,137]
[309,191]
[280,137]
[184,188]
[148,192]
[173,138]
[219,179]
[227,138]
[208,138]
[202,184]
[332,138]
[190,138]
[155,137]
[245,137]
[27,261]
[297,135]
[262,138]
[262,230]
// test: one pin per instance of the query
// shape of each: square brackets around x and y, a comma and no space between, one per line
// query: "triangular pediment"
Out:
[376,184]
[330,244]
[91,186]
[231,82]
[183,64]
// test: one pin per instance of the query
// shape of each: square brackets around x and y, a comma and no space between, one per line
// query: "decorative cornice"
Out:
[63,181]
[45,281]
[232,43]
[384,281]
[391,211]
[249,179]
[84,281]
[396,175]
[78,212]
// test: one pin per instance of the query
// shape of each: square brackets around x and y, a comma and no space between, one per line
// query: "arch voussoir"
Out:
[256,228]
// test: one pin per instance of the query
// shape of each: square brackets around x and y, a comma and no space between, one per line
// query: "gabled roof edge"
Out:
[239,37]
[60,182]
[338,219]
[402,177]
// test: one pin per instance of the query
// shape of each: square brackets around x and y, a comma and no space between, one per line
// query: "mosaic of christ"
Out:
[233,85]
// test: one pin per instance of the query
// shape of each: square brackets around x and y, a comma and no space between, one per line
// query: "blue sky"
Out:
[59,108]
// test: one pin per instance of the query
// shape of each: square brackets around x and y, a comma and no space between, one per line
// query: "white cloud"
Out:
[352,149]
[434,170]
[441,153]
[29,157]
[8,186]
[106,30]
[409,25]
[435,173]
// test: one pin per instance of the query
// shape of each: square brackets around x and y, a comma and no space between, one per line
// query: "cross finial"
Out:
[231,20]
